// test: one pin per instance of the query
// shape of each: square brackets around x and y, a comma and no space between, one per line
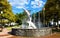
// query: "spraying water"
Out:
[30,24]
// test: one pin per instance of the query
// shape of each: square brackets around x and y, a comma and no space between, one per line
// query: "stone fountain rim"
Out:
[33,29]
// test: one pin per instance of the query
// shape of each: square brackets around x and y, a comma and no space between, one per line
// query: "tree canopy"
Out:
[7,10]
[52,10]
[20,17]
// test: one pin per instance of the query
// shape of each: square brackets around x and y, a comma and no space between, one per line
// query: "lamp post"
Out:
[1,12]
[1,16]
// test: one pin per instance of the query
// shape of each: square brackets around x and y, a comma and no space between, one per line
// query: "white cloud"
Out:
[18,3]
[37,4]
[19,7]
[37,0]
[34,6]
[21,3]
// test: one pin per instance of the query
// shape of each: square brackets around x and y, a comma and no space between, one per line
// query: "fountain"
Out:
[30,25]
[28,28]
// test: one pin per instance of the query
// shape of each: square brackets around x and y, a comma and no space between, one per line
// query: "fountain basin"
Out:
[31,32]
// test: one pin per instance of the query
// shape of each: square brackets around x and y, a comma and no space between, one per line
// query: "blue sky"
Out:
[32,5]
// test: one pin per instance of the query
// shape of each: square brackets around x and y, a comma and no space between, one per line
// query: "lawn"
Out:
[10,28]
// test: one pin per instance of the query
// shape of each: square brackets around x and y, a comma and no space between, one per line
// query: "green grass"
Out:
[10,28]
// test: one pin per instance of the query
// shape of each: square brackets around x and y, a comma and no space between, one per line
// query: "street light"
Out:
[1,12]
[1,15]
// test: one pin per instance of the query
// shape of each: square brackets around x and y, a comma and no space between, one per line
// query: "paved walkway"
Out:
[4,34]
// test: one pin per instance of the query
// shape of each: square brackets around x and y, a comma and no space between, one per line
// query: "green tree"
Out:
[52,10]
[20,17]
[7,10]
